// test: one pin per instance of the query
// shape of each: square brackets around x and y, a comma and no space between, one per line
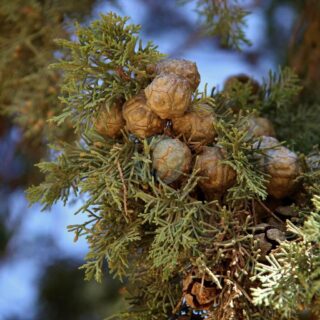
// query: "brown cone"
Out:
[110,121]
[140,120]
[183,68]
[196,125]
[168,96]
[217,177]
[171,159]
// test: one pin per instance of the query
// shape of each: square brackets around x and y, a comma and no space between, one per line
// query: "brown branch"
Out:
[125,192]
[269,211]
[122,74]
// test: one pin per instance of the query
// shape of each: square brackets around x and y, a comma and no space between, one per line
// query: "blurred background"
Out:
[39,276]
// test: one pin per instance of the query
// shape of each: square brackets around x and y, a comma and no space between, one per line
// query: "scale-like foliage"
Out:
[289,113]
[108,63]
[28,88]
[251,182]
[151,234]
[290,280]
[224,19]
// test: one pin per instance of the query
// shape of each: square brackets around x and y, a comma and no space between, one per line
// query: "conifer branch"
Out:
[224,19]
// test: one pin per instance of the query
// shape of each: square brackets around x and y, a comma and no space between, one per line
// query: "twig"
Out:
[269,211]
[125,192]
[202,284]
[254,212]
[122,74]
[213,276]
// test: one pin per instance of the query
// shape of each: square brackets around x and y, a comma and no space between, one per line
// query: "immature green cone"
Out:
[281,165]
[110,121]
[169,96]
[183,68]
[140,120]
[171,158]
[196,125]
[217,177]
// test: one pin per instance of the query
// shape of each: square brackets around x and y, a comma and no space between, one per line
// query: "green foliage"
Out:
[150,234]
[286,280]
[59,177]
[240,96]
[290,280]
[147,233]
[107,64]
[289,113]
[251,182]
[28,89]
[279,99]
[224,19]
[114,233]
[310,231]
[177,216]
[280,90]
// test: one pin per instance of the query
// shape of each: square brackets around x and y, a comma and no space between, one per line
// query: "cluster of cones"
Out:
[186,133]
[169,102]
